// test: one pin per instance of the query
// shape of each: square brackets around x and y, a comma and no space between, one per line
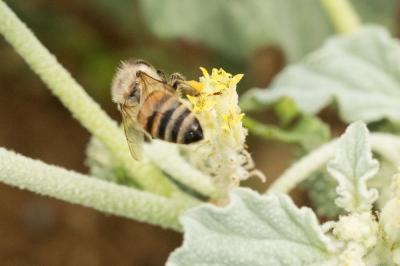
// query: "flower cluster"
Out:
[223,155]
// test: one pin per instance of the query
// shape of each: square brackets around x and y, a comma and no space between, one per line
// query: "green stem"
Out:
[44,179]
[342,14]
[386,145]
[166,156]
[303,168]
[78,102]
[270,132]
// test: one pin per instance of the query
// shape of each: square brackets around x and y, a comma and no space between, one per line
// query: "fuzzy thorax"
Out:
[126,77]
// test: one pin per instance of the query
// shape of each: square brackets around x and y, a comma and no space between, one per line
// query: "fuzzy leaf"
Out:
[380,12]
[320,188]
[252,230]
[352,167]
[237,28]
[360,71]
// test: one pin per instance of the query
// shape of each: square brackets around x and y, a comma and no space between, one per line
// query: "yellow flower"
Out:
[198,86]
[220,79]
[231,119]
[204,72]
[201,103]
[235,80]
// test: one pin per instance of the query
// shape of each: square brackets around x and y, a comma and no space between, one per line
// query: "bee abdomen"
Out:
[166,118]
[183,127]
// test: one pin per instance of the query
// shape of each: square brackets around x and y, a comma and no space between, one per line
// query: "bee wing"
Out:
[133,131]
[150,84]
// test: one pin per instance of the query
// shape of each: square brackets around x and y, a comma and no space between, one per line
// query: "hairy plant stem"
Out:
[387,145]
[167,157]
[342,14]
[53,181]
[78,102]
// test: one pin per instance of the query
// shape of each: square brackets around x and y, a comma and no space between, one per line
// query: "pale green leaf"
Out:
[321,191]
[312,132]
[380,12]
[320,188]
[352,166]
[236,28]
[309,132]
[361,72]
[252,230]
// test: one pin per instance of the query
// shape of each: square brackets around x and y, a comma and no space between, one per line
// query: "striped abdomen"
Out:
[164,117]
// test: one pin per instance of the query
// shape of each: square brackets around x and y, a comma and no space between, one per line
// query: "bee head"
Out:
[125,85]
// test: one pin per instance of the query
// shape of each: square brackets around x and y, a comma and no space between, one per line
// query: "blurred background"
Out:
[257,38]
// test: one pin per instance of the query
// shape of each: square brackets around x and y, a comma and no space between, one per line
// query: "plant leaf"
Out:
[380,12]
[320,189]
[352,167]
[237,28]
[252,230]
[360,71]
[312,132]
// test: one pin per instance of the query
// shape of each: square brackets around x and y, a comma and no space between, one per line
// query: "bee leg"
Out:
[178,82]
[147,137]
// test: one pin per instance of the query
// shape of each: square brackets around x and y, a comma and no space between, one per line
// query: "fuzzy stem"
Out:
[53,181]
[385,144]
[303,168]
[342,14]
[166,156]
[77,101]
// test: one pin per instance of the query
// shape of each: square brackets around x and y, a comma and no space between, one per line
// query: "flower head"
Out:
[216,107]
[231,119]
[201,103]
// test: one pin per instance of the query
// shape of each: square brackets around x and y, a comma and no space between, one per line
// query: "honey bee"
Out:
[150,106]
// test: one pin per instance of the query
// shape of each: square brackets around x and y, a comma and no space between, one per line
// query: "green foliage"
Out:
[252,230]
[320,188]
[237,28]
[275,232]
[379,12]
[286,110]
[359,71]
[352,167]
[309,131]
[312,132]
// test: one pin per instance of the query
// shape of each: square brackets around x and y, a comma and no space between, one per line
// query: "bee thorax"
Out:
[125,80]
